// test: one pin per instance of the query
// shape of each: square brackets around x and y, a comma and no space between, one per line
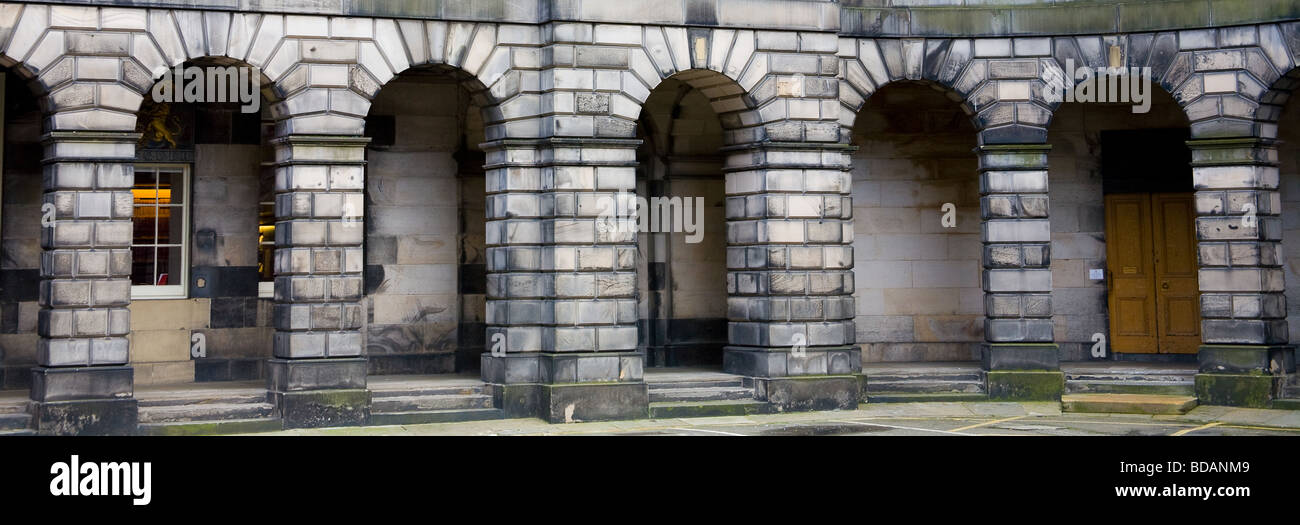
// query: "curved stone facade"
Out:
[561,85]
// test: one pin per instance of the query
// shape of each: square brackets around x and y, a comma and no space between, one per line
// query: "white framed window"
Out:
[160,232]
[266,232]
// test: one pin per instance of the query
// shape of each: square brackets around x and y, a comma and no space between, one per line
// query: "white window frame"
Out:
[265,289]
[170,291]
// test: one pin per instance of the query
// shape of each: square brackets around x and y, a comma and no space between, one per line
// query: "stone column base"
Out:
[568,387]
[322,408]
[1020,356]
[1024,385]
[781,361]
[808,393]
[578,402]
[1238,390]
[574,402]
[310,393]
[517,400]
[90,400]
[1246,359]
[92,417]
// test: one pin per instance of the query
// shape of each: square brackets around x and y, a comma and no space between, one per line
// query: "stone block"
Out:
[1025,385]
[1245,359]
[322,408]
[81,383]
[97,417]
[798,394]
[1239,390]
[1020,357]
[593,402]
[300,375]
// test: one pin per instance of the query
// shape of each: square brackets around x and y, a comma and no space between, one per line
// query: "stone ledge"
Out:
[989,18]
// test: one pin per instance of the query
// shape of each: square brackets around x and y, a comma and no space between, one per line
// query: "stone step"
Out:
[205,412]
[701,394]
[924,397]
[435,416]
[380,392]
[428,403]
[205,398]
[28,432]
[211,428]
[735,407]
[1127,403]
[14,408]
[708,383]
[1176,388]
[1289,403]
[921,386]
[1168,376]
[15,421]
[920,376]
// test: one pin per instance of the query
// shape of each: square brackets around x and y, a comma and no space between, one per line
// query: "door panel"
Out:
[1177,294]
[1131,276]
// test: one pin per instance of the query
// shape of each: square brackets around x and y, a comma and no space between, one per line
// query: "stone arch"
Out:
[328,84]
[1281,44]
[1219,76]
[998,83]
[748,77]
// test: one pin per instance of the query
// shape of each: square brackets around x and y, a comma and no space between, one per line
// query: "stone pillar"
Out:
[317,375]
[83,382]
[1019,357]
[1243,309]
[561,282]
[790,274]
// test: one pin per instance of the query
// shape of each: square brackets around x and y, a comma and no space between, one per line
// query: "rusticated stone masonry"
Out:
[561,281]
[85,281]
[1243,306]
[1017,277]
[318,316]
[790,261]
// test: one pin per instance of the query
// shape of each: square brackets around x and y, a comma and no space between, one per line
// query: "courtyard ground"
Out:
[891,419]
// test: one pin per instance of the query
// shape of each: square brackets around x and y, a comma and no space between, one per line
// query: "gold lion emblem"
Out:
[159,125]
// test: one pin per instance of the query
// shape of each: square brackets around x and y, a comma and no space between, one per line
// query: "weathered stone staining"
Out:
[561,86]
[83,381]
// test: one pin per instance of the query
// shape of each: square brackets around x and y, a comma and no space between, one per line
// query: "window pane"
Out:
[145,189]
[171,225]
[142,266]
[144,225]
[169,266]
[171,187]
[266,225]
[266,243]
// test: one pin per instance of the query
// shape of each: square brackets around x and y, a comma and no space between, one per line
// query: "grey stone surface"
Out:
[561,86]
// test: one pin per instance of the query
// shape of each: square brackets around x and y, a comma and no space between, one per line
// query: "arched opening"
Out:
[1288,134]
[20,244]
[682,271]
[425,255]
[917,250]
[203,222]
[202,245]
[1125,297]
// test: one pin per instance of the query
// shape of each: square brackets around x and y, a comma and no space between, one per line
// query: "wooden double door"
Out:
[1151,266]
